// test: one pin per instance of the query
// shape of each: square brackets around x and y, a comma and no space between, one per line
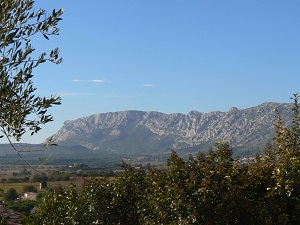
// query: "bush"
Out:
[30,188]
[24,206]
[11,195]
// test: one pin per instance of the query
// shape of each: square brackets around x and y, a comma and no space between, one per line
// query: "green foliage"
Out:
[19,23]
[24,206]
[11,195]
[58,176]
[30,188]
[61,204]
[285,156]
[208,189]
[14,179]
[39,177]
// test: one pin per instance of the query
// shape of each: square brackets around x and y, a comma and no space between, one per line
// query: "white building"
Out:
[29,196]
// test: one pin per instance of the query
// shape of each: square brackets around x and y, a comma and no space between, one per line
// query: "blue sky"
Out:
[169,56]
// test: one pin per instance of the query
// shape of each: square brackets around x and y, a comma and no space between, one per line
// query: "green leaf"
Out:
[46,36]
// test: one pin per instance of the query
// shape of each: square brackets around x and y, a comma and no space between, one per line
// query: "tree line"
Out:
[212,188]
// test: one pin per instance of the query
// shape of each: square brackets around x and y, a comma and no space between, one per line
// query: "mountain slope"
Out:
[155,132]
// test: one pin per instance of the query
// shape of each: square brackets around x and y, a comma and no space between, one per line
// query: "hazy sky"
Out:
[169,56]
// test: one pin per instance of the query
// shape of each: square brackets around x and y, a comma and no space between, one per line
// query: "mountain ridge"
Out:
[134,131]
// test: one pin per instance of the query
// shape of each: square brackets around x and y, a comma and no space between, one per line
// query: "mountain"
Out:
[138,132]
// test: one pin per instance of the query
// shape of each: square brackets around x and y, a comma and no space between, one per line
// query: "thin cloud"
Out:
[77,80]
[148,85]
[99,81]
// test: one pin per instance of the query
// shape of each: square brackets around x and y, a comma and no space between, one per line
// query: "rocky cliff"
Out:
[150,132]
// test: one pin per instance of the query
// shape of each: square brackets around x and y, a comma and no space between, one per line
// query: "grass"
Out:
[18,186]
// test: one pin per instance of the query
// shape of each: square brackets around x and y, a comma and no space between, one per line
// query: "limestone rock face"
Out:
[148,132]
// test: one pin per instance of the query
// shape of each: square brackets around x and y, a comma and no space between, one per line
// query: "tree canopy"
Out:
[21,110]
[11,195]
[30,188]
